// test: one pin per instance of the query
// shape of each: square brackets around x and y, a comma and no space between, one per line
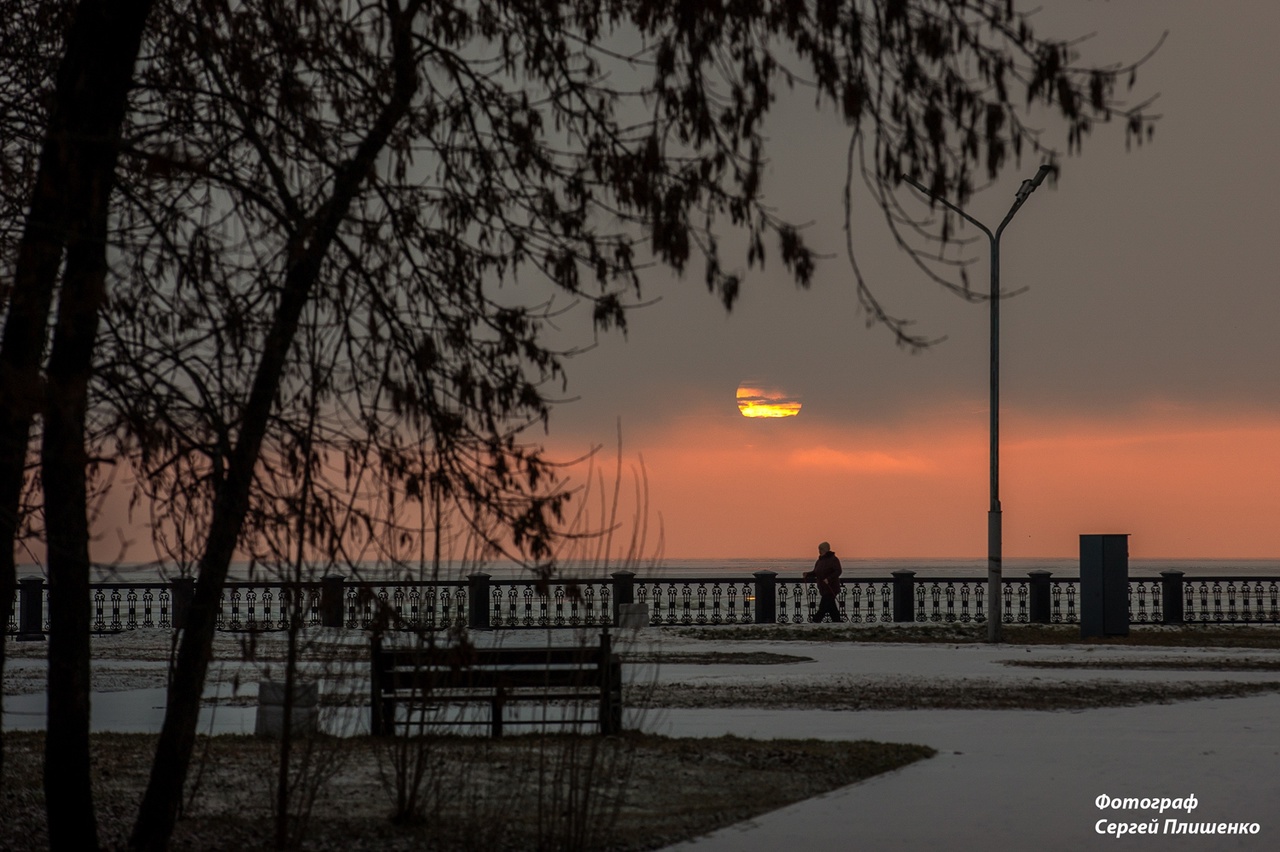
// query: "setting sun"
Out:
[756,400]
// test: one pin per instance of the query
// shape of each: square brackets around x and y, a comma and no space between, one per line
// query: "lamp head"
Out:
[1029,186]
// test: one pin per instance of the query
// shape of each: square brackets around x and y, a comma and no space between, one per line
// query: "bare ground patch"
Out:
[943,694]
[717,658]
[1141,635]
[674,789]
[1211,664]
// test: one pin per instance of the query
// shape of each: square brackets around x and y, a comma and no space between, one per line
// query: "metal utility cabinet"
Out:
[1104,585]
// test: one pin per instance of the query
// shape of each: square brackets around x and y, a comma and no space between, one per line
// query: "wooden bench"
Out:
[432,677]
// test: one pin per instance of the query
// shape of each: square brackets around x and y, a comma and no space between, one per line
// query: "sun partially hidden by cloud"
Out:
[758,400]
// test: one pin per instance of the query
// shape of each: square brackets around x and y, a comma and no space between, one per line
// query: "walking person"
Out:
[826,572]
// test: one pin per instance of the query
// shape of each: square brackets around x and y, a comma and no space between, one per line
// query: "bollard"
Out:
[624,592]
[904,596]
[332,598]
[478,601]
[766,597]
[1040,602]
[31,609]
[1171,600]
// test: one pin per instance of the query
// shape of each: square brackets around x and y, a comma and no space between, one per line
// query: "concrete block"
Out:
[270,721]
[270,718]
[304,694]
[633,616]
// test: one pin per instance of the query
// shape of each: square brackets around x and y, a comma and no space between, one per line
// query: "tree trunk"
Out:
[77,161]
[159,809]
[22,349]
[67,785]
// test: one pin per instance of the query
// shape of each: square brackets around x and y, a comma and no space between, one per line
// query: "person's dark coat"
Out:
[826,573]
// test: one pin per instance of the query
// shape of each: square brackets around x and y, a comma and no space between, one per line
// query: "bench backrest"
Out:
[424,670]
[497,675]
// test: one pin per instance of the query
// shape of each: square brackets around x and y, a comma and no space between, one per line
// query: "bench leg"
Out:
[611,716]
[611,701]
[382,717]
[495,711]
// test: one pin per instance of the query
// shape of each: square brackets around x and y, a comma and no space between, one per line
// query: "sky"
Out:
[1139,385]
[1139,394]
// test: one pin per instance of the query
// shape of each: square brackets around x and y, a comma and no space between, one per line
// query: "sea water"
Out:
[737,567]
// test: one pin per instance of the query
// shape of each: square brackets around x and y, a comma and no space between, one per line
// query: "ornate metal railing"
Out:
[860,601]
[697,600]
[950,600]
[128,606]
[402,605]
[1062,601]
[565,603]
[764,598]
[267,606]
[1145,600]
[1231,600]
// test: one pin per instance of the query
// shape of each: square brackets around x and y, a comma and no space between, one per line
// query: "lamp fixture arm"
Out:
[945,203]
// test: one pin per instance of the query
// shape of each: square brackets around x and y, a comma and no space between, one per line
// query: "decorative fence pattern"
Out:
[266,606]
[696,600]
[1231,600]
[1062,601]
[124,606]
[399,605]
[1145,601]
[483,602]
[947,600]
[566,603]
[861,601]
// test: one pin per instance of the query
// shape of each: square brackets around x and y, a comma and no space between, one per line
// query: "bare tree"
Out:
[317,225]
[67,218]
[941,92]
[396,178]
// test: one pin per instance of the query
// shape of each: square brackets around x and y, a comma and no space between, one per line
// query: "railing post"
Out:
[182,590]
[1040,597]
[333,596]
[766,597]
[1171,597]
[478,600]
[904,596]
[31,609]
[624,592]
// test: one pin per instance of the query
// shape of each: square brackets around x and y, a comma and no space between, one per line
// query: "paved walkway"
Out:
[1005,780]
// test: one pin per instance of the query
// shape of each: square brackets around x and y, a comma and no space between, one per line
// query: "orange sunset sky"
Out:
[1184,485]
[1140,369]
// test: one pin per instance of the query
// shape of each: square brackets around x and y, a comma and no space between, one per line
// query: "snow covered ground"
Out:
[1002,779]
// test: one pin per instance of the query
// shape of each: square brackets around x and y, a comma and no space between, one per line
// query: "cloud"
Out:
[755,399]
[1185,483]
[862,461]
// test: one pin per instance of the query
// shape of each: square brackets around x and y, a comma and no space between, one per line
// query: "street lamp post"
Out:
[995,534]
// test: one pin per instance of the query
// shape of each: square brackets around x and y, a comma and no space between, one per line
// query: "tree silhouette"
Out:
[63,247]
[414,186]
